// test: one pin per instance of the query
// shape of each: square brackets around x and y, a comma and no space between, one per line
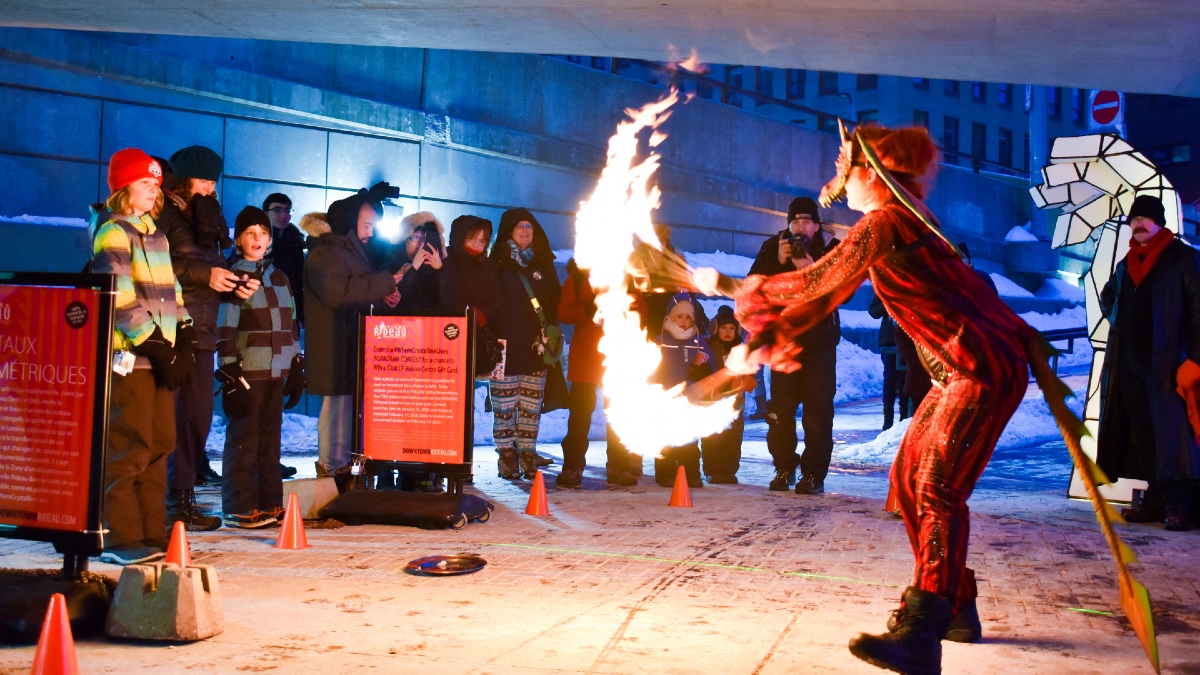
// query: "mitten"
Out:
[235,390]
[293,387]
[168,364]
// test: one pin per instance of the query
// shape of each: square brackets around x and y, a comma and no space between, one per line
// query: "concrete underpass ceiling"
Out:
[1147,46]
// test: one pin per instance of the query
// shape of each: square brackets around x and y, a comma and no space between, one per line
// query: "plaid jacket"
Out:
[148,295]
[262,329]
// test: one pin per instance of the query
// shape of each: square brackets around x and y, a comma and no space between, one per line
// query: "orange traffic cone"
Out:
[56,646]
[681,496]
[291,537]
[178,551]
[537,498]
[891,504]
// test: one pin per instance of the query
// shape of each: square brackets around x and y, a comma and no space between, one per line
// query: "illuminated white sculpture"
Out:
[1094,180]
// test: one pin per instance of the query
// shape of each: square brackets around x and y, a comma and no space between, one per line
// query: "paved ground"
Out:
[747,581]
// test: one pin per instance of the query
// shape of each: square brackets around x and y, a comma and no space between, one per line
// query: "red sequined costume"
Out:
[975,348]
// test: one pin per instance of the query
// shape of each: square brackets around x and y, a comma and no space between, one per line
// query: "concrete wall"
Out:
[459,132]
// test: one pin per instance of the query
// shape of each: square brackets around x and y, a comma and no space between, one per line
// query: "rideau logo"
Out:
[382,330]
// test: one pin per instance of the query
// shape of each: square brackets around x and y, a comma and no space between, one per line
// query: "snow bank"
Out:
[1030,425]
[1057,289]
[44,220]
[1007,288]
[1019,234]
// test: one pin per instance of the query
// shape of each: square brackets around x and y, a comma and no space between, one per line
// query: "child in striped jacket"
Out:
[258,351]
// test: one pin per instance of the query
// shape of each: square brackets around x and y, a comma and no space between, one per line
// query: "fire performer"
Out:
[977,350]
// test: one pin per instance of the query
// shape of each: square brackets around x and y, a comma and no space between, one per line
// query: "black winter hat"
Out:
[276,198]
[197,161]
[251,215]
[1149,206]
[803,206]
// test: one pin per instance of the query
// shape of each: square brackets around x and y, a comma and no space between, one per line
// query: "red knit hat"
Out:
[131,165]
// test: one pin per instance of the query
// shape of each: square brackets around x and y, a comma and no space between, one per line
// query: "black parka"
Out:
[1154,327]
[197,237]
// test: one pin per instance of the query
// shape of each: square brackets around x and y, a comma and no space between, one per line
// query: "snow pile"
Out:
[1057,289]
[1032,424]
[726,263]
[1019,234]
[1071,317]
[857,318]
[1007,288]
[299,434]
[859,373]
[44,220]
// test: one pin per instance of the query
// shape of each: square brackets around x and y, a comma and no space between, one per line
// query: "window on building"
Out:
[868,116]
[764,82]
[1025,157]
[921,118]
[600,63]
[1078,102]
[950,139]
[704,88]
[735,79]
[795,84]
[921,83]
[979,141]
[1004,95]
[574,59]
[1004,147]
[979,92]
[867,82]
[1171,154]
[1054,102]
[827,83]
[951,88]
[828,123]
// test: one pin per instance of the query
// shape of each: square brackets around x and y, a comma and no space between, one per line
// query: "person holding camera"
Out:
[814,384]
[423,284]
[258,346]
[196,229]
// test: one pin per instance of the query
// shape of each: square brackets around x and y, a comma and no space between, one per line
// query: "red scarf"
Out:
[1141,258]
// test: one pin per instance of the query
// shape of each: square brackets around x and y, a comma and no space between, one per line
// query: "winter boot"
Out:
[506,466]
[914,646]
[529,466]
[181,507]
[783,481]
[665,469]
[964,627]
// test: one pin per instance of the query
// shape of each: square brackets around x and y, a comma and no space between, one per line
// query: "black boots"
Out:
[964,627]
[783,481]
[914,646]
[181,506]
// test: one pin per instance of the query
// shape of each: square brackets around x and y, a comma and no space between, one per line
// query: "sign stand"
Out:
[56,334]
[416,394]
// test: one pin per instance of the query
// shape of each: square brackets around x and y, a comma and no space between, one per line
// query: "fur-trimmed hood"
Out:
[315,224]
[412,221]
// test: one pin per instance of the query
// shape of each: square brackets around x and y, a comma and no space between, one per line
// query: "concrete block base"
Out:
[160,601]
[314,494]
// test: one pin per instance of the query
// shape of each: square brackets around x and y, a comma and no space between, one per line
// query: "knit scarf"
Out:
[1141,258]
[522,256]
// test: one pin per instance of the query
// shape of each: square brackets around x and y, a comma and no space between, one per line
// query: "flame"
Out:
[646,416]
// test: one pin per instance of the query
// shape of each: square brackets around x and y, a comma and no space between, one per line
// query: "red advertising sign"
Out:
[416,381]
[1106,106]
[48,339]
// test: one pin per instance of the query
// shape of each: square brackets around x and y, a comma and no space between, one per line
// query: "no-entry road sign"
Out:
[1106,106]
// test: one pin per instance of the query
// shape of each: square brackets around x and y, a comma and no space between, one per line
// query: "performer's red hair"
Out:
[908,153]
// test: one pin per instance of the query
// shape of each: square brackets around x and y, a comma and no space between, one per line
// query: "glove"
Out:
[170,367]
[293,387]
[235,390]
[209,221]
[185,343]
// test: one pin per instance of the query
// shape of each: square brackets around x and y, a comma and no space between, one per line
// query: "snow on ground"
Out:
[1007,288]
[45,220]
[1019,234]
[1057,289]
[1031,425]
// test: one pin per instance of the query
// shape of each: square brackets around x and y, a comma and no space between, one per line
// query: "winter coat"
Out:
[262,329]
[197,236]
[338,282]
[516,322]
[148,295]
[577,306]
[887,327]
[679,354]
[287,254]
[1154,327]
[471,280]
[826,334]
